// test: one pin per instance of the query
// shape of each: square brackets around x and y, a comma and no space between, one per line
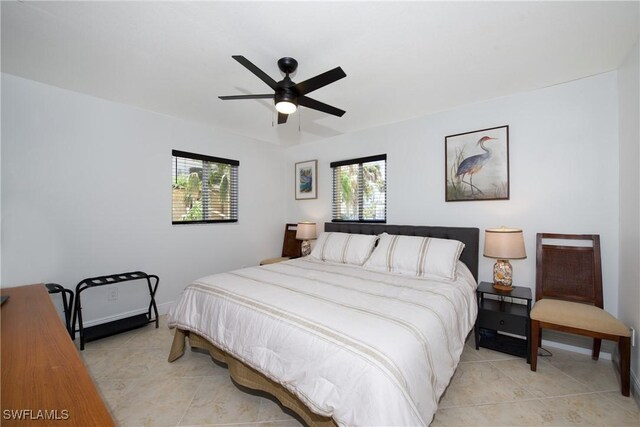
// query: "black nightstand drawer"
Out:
[499,314]
[503,322]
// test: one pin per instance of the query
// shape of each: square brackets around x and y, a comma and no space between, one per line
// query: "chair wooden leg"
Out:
[535,343]
[595,354]
[624,347]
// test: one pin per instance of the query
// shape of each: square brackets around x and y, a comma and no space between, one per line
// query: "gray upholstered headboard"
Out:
[468,235]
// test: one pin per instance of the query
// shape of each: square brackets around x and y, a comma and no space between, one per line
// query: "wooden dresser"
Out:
[44,381]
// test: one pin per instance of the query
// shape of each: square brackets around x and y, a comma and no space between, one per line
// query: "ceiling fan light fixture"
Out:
[286,102]
[286,107]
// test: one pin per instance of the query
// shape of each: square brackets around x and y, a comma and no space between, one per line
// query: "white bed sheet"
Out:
[362,347]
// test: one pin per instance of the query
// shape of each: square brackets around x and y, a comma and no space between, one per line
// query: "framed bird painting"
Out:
[477,165]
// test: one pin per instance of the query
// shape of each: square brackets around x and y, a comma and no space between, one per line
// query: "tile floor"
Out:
[488,389]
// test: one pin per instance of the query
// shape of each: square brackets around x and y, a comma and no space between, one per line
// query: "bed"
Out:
[340,343]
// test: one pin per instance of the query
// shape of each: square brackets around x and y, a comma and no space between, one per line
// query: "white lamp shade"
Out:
[504,243]
[306,231]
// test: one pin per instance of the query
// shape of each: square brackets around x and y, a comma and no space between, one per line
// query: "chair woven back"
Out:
[568,271]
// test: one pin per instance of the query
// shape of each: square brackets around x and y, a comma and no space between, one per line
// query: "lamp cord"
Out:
[547,354]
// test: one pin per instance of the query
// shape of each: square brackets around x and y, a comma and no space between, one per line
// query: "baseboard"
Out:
[162,309]
[635,388]
[575,343]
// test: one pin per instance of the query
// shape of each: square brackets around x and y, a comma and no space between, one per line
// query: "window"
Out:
[204,189]
[360,189]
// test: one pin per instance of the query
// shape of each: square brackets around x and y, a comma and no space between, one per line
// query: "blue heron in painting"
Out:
[473,164]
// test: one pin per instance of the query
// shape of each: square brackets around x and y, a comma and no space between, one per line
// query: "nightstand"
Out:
[291,247]
[500,313]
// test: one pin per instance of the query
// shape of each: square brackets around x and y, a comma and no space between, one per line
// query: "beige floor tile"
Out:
[461,416]
[598,375]
[586,410]
[470,354]
[129,362]
[524,413]
[113,390]
[547,381]
[163,321]
[582,410]
[219,401]
[92,360]
[470,339]
[624,402]
[191,364]
[476,383]
[150,337]
[160,402]
[488,389]
[150,363]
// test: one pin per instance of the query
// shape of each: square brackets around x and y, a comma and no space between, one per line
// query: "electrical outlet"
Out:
[633,337]
[112,294]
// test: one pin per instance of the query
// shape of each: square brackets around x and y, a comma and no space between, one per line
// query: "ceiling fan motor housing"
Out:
[287,65]
[286,95]
[286,91]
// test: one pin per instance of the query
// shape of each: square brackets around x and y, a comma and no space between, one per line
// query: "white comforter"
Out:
[362,347]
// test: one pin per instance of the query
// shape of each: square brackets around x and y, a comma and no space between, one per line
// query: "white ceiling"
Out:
[402,60]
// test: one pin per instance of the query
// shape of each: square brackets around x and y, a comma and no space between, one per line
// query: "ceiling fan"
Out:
[287,94]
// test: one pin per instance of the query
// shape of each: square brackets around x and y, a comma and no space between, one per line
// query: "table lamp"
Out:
[503,244]
[306,232]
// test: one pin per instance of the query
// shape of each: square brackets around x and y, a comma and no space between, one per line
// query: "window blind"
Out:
[204,188]
[360,189]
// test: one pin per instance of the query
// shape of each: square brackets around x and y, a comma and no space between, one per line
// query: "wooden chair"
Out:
[291,247]
[569,297]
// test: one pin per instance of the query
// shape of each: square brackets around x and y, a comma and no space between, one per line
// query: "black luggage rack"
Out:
[121,325]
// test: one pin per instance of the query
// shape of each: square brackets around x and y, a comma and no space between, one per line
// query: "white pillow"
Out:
[344,247]
[416,256]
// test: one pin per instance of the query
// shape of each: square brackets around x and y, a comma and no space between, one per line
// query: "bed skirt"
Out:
[248,377]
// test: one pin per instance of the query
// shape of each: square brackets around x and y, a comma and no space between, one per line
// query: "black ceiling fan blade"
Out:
[320,80]
[265,96]
[282,118]
[257,71]
[320,106]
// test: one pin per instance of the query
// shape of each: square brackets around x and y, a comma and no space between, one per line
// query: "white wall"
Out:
[629,106]
[85,184]
[86,192]
[563,163]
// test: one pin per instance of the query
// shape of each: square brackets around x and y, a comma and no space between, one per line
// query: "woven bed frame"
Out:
[251,378]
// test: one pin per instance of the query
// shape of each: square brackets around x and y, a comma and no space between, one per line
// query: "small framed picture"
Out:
[307,180]
[477,165]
